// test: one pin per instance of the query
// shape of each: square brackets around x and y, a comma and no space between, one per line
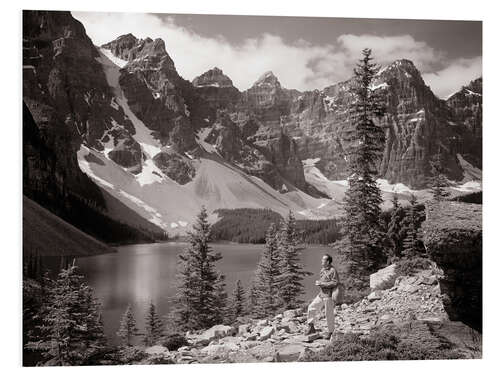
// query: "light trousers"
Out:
[315,308]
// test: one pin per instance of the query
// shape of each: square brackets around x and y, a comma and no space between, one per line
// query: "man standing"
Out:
[328,282]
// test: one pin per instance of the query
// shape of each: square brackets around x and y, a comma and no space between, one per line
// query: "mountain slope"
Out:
[46,234]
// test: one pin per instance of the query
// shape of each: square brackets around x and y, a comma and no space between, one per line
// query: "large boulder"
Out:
[215,332]
[157,350]
[453,239]
[383,278]
[290,353]
[266,333]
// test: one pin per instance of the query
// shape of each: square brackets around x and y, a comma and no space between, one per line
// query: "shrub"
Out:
[174,341]
[355,289]
[411,266]
[129,354]
[410,343]
[353,347]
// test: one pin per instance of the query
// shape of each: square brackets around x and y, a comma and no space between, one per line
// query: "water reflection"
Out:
[138,274]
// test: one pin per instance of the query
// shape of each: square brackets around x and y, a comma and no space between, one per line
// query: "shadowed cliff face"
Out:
[56,118]
[66,90]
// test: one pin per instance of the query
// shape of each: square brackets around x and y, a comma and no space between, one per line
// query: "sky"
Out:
[304,53]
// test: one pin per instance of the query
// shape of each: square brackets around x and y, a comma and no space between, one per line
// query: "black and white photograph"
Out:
[214,189]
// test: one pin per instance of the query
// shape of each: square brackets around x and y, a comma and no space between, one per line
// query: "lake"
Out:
[138,274]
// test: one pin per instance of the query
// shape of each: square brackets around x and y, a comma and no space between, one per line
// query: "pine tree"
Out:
[221,313]
[71,330]
[237,302]
[292,274]
[394,229]
[154,326]
[266,276]
[438,181]
[128,327]
[252,296]
[411,243]
[363,197]
[199,299]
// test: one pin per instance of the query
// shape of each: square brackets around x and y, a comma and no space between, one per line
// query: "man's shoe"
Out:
[310,329]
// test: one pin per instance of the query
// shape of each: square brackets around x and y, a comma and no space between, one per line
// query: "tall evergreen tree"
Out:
[252,295]
[291,271]
[199,298]
[128,327]
[154,326]
[363,197]
[394,229]
[266,276]
[71,330]
[411,227]
[221,314]
[438,181]
[237,301]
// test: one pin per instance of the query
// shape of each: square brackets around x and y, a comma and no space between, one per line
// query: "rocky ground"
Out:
[281,339]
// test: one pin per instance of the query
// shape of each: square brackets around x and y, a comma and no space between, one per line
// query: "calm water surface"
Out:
[138,274]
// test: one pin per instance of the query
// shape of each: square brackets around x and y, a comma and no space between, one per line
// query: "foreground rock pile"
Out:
[416,297]
[281,339]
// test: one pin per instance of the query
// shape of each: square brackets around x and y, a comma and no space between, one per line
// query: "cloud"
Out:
[300,65]
[386,49]
[457,74]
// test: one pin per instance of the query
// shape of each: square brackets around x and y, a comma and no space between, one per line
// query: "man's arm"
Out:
[330,280]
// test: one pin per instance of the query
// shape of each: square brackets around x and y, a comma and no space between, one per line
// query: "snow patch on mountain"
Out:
[201,136]
[115,60]
[217,184]
[384,185]
[336,189]
[379,86]
[150,173]
[469,186]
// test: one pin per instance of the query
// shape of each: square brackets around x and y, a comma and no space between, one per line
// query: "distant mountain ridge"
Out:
[163,146]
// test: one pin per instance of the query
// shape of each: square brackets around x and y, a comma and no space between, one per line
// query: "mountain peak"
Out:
[403,70]
[474,89]
[268,79]
[214,77]
[401,65]
[128,36]
[127,47]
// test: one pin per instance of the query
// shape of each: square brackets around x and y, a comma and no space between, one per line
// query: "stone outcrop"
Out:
[383,278]
[179,169]
[453,239]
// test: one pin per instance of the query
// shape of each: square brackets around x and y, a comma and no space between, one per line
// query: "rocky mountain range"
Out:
[163,146]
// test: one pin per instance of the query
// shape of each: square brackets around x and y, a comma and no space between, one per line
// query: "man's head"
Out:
[326,261]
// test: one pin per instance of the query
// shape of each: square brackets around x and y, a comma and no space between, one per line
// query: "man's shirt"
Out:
[328,280]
